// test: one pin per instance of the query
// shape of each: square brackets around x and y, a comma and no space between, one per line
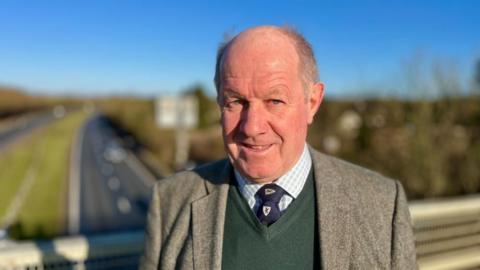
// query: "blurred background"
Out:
[100,99]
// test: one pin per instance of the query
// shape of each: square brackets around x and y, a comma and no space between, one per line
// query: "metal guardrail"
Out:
[447,236]
[447,233]
[113,251]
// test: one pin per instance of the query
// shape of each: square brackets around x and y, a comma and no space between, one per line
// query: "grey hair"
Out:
[307,63]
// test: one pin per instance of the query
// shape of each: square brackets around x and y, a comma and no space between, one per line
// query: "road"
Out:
[26,126]
[113,194]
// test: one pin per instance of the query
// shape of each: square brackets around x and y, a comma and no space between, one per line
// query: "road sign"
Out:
[176,112]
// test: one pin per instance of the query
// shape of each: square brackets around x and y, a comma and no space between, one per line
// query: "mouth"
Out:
[255,147]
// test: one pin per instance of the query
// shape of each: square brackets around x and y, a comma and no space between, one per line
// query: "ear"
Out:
[314,101]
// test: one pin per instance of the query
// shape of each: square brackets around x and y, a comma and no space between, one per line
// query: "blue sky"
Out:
[152,47]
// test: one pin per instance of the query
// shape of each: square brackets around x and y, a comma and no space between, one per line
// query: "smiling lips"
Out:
[255,147]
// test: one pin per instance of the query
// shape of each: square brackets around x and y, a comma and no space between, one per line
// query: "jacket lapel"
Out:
[208,218]
[333,213]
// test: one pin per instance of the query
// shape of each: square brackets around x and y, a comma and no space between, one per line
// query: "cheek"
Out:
[229,123]
[292,127]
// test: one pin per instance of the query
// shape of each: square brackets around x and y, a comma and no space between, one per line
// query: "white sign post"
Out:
[180,113]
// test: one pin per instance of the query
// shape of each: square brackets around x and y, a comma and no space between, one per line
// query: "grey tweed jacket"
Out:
[363,219]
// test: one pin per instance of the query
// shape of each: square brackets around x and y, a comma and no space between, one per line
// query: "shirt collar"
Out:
[292,181]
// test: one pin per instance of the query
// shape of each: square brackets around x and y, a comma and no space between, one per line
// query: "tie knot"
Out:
[270,193]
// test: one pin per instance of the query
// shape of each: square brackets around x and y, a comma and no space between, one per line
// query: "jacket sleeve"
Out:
[403,247]
[153,235]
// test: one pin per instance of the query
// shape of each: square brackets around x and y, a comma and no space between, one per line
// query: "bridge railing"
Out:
[447,234]
[110,251]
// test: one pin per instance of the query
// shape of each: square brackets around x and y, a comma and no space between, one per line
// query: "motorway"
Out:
[109,192]
[25,126]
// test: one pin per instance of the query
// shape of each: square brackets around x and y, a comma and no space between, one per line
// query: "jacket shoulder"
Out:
[360,180]
[377,212]
[192,184]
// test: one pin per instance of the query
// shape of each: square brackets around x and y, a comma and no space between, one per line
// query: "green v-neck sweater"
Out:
[289,243]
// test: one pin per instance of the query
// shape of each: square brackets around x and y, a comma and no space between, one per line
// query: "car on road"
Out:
[114,153]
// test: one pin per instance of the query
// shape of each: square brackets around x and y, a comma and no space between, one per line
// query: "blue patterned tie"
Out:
[270,195]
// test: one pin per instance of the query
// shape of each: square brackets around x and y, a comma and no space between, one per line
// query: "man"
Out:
[275,203]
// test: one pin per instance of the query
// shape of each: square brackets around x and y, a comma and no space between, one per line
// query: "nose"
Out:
[253,121]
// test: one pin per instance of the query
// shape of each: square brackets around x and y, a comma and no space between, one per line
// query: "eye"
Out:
[276,101]
[232,103]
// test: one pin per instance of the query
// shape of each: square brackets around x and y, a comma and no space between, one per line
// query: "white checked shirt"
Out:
[292,182]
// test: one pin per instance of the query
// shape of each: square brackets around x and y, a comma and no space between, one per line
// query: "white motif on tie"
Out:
[269,191]
[266,210]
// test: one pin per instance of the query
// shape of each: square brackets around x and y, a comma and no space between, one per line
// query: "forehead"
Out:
[259,54]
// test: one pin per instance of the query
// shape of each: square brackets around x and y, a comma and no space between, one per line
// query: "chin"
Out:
[259,174]
[255,170]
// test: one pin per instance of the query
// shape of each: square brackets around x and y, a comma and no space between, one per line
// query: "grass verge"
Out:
[43,212]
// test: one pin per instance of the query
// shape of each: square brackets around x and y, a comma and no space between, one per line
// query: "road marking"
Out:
[74,183]
[113,183]
[123,205]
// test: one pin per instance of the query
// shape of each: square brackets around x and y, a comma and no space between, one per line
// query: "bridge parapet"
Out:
[447,236]
[447,232]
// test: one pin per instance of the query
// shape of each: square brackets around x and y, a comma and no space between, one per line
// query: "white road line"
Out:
[74,182]
[123,205]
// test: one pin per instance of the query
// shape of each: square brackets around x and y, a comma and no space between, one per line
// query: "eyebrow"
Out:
[229,93]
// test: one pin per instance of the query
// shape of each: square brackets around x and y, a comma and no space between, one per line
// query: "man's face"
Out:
[265,113]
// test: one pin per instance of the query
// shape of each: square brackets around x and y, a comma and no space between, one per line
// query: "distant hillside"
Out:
[14,101]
